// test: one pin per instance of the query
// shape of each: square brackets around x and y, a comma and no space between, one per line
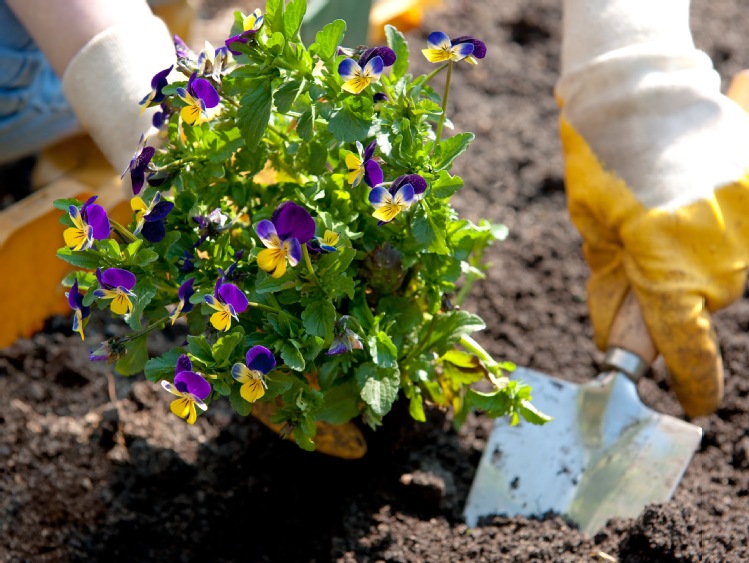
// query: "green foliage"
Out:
[349,329]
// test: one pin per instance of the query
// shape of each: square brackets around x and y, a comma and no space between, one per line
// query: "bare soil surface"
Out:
[93,467]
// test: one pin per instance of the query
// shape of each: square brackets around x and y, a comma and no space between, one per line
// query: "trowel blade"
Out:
[604,454]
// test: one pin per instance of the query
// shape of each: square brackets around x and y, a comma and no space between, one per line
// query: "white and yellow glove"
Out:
[656,163]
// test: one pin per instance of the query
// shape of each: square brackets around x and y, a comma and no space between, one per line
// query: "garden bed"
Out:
[86,478]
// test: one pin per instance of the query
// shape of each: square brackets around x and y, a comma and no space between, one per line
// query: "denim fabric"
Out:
[33,110]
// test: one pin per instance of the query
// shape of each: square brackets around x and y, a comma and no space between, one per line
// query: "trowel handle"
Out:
[630,348]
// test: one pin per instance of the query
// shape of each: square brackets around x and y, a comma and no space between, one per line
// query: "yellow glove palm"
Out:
[682,264]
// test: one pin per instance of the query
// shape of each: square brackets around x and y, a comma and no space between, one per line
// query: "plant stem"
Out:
[492,367]
[444,103]
[122,231]
[435,72]
[309,264]
[149,328]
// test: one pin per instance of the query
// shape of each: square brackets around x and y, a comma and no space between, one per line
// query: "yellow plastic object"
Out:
[30,234]
[402,14]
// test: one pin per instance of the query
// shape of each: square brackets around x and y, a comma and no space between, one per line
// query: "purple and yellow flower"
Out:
[139,164]
[329,241]
[90,223]
[80,311]
[117,285]
[442,49]
[184,293]
[388,204]
[259,361]
[357,76]
[290,227]
[149,220]
[199,96]
[250,26]
[228,301]
[363,165]
[191,388]
[156,95]
[344,339]
[418,183]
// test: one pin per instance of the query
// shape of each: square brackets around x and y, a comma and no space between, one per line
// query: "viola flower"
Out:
[109,351]
[250,25]
[228,301]
[344,339]
[389,204]
[364,166]
[199,96]
[191,388]
[181,49]
[139,164]
[184,293]
[161,117]
[187,261]
[229,275]
[442,49]
[81,312]
[329,241]
[212,225]
[116,284]
[150,220]
[91,223]
[259,361]
[357,76]
[156,95]
[215,63]
[289,228]
[418,183]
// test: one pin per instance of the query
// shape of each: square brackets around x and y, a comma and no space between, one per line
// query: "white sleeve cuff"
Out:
[109,76]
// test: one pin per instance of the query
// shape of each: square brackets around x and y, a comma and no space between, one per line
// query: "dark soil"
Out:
[86,478]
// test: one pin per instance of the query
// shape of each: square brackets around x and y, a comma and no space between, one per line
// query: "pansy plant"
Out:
[259,361]
[191,388]
[254,201]
[90,223]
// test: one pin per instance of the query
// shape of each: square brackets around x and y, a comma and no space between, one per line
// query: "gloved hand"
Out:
[656,163]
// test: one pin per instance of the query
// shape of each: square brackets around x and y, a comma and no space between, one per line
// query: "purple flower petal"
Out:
[183,364]
[158,82]
[265,230]
[405,193]
[73,296]
[232,295]
[380,97]
[186,291]
[463,49]
[419,184]
[191,382]
[347,69]
[294,251]
[378,196]
[373,173]
[115,277]
[385,53]
[159,211]
[153,231]
[369,151]
[97,218]
[235,39]
[374,67]
[438,40]
[204,90]
[259,358]
[181,49]
[479,47]
[293,221]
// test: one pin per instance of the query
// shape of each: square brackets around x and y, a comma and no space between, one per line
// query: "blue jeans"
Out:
[33,111]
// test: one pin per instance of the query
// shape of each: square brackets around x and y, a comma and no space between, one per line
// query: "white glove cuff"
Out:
[592,28]
[107,78]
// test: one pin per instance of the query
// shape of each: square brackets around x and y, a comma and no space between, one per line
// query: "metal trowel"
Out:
[604,454]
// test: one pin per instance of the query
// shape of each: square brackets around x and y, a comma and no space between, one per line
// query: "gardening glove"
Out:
[656,163]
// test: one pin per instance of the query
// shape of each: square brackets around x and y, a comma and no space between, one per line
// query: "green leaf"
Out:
[144,257]
[447,328]
[341,404]
[292,18]
[379,387]
[532,414]
[274,14]
[328,39]
[198,347]
[286,94]
[88,259]
[162,367]
[495,404]
[449,149]
[383,351]
[305,125]
[273,285]
[397,42]
[254,112]
[64,204]
[221,387]
[427,232]
[278,383]
[319,317]
[133,362]
[144,292]
[445,185]
[347,127]
[242,407]
[224,346]
[292,357]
